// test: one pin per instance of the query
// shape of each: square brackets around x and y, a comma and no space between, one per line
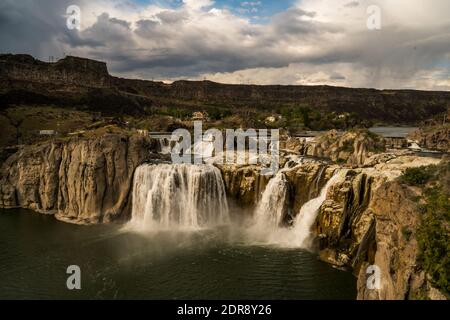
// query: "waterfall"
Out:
[178,196]
[309,211]
[272,207]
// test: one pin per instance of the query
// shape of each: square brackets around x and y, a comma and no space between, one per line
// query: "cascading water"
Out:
[178,196]
[270,212]
[272,207]
[308,213]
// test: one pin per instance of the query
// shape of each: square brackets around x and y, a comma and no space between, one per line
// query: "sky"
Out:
[295,42]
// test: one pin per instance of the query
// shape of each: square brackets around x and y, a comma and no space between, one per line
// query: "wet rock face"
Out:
[307,181]
[80,181]
[343,221]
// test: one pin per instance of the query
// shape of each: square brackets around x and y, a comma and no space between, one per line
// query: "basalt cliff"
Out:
[85,83]
[82,180]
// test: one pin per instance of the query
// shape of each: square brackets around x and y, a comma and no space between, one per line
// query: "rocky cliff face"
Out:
[352,148]
[71,75]
[371,219]
[435,137]
[80,180]
[400,106]
[68,71]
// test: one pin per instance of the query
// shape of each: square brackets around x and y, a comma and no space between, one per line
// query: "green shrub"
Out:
[418,176]
[433,233]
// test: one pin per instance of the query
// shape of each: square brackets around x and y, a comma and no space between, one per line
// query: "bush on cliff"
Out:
[418,176]
[434,239]
[433,234]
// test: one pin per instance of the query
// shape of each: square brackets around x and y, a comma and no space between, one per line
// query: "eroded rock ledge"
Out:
[82,180]
[371,219]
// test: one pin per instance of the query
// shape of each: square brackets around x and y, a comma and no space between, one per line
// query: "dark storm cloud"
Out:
[190,42]
[33,26]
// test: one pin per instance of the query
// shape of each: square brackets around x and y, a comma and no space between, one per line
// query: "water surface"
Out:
[36,249]
[399,132]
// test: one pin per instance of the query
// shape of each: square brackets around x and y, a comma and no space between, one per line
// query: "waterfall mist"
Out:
[266,228]
[192,197]
[273,206]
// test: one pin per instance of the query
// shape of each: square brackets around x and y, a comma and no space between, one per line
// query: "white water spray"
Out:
[267,217]
[272,207]
[309,211]
[178,196]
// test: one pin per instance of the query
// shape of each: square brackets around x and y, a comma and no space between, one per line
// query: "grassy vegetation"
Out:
[433,234]
[8,134]
[418,176]
[28,121]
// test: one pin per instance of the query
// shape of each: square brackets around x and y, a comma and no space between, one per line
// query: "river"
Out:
[118,263]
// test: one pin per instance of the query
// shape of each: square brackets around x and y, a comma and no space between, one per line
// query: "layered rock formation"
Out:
[435,137]
[400,106]
[351,148]
[67,71]
[371,219]
[23,78]
[83,180]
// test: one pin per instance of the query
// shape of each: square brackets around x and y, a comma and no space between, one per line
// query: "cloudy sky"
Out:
[234,41]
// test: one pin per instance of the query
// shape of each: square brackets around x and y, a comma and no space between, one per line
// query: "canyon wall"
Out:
[56,83]
[352,148]
[436,137]
[82,180]
[401,106]
[68,71]
[372,219]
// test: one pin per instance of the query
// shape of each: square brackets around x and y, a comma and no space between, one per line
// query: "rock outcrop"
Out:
[83,180]
[351,148]
[371,219]
[68,71]
[245,184]
[435,137]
